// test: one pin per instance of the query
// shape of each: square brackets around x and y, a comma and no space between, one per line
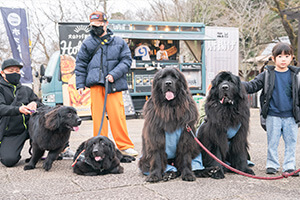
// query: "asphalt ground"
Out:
[61,183]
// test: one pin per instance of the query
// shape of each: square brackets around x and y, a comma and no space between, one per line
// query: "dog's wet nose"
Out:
[168,83]
[225,87]
[95,150]
[79,121]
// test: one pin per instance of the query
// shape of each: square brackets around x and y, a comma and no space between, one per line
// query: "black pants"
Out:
[11,147]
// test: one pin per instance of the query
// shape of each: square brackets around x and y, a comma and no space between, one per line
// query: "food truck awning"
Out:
[164,36]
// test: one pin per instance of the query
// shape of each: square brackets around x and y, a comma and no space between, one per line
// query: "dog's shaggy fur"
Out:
[49,129]
[98,156]
[226,107]
[170,107]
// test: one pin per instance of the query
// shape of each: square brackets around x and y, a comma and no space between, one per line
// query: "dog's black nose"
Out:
[225,87]
[79,121]
[95,150]
[168,83]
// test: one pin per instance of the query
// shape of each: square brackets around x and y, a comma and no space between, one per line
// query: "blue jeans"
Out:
[287,127]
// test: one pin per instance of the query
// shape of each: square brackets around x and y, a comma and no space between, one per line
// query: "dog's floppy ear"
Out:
[214,92]
[240,86]
[88,145]
[112,152]
[52,119]
[79,150]
[182,80]
[158,75]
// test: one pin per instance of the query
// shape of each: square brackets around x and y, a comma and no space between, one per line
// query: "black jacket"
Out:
[12,122]
[266,81]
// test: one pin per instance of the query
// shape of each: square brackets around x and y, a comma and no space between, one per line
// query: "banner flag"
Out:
[16,28]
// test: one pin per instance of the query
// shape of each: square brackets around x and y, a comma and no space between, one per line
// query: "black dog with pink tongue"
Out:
[98,156]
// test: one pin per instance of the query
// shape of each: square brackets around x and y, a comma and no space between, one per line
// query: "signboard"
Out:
[70,40]
[222,53]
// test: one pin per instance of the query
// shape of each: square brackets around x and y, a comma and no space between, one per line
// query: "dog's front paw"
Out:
[127,159]
[117,170]
[47,165]
[28,167]
[187,175]
[217,173]
[249,171]
[170,175]
[207,172]
[154,177]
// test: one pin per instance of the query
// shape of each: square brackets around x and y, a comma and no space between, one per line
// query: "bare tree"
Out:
[44,19]
[290,25]
[252,18]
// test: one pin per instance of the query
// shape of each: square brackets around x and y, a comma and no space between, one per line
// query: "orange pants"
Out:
[116,115]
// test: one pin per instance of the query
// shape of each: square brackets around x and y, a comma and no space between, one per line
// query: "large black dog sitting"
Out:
[98,156]
[165,137]
[225,131]
[49,129]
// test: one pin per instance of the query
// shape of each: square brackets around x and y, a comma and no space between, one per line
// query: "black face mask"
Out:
[13,78]
[98,30]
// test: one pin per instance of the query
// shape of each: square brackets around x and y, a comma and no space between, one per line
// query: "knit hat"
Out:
[11,62]
[97,18]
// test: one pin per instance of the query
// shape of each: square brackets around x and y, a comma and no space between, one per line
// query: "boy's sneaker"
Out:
[67,154]
[290,171]
[129,152]
[271,170]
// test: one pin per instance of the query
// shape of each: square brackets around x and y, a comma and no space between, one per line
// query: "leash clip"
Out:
[188,128]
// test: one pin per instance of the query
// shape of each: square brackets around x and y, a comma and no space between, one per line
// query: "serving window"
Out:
[171,47]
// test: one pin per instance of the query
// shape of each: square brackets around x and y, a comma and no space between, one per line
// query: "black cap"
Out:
[11,62]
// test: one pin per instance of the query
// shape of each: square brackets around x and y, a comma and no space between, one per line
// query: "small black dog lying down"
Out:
[98,156]
[49,129]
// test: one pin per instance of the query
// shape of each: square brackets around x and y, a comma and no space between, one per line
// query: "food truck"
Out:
[183,42]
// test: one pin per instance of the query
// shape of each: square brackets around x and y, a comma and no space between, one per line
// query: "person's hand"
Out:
[110,78]
[24,110]
[80,91]
[32,106]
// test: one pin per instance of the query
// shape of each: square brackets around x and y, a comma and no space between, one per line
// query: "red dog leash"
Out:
[283,175]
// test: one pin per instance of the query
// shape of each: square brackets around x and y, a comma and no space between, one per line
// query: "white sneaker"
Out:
[129,152]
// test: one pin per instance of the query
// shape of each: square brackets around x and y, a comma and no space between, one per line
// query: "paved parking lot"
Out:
[61,183]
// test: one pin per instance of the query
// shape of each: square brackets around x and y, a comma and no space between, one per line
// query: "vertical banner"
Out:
[16,27]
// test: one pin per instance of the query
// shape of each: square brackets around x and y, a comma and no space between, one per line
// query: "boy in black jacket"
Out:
[17,102]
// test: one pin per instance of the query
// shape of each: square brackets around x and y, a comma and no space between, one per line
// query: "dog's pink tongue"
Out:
[76,128]
[169,95]
[97,158]
[222,100]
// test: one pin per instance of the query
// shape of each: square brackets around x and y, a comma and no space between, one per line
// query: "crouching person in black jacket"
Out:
[17,102]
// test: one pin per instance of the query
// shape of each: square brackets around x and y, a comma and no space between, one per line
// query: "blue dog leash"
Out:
[104,105]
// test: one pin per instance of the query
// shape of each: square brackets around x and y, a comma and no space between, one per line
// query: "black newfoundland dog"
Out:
[49,129]
[98,156]
[169,109]
[225,130]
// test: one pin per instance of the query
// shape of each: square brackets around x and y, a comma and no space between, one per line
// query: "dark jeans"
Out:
[11,147]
